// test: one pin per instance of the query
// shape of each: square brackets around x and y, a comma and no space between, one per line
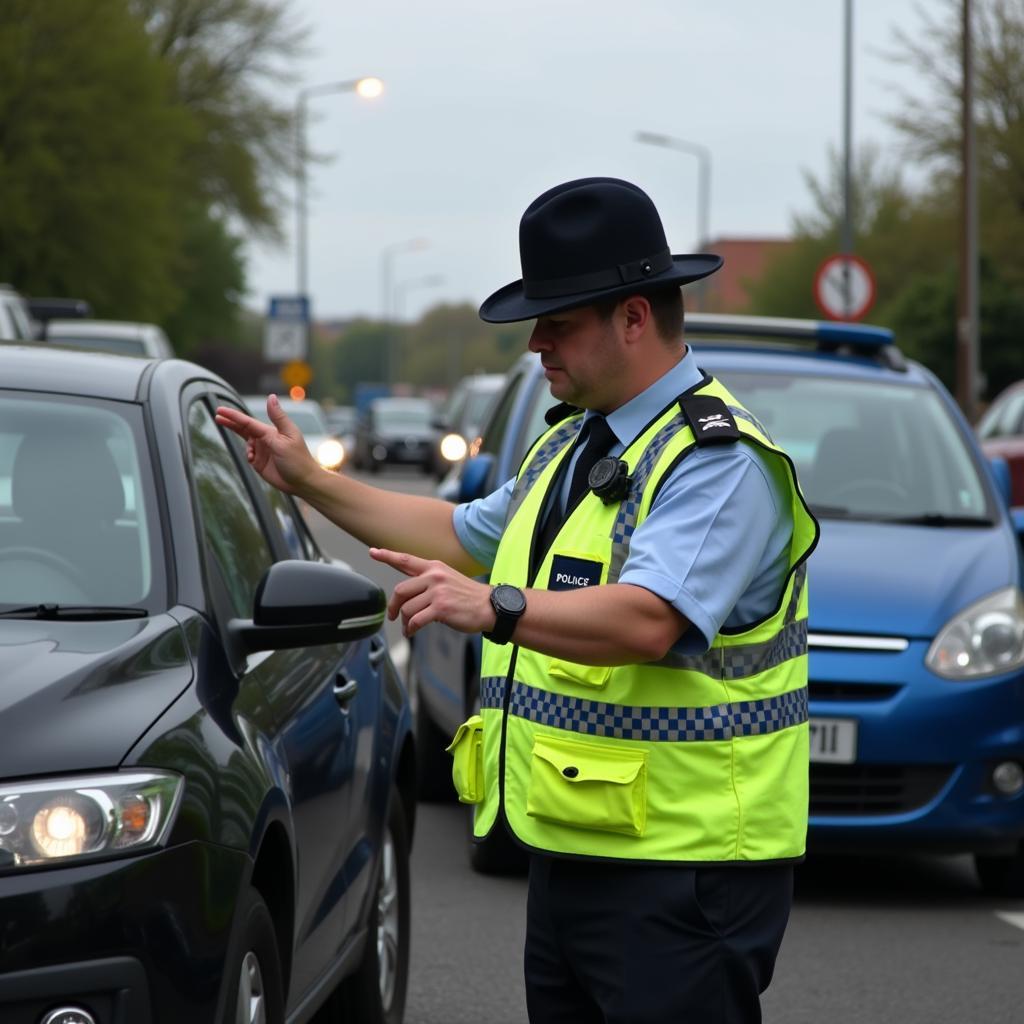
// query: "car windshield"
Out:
[306,420]
[77,521]
[878,451]
[477,405]
[121,346]
[406,415]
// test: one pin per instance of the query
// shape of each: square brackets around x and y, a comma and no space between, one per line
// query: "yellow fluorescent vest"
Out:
[692,759]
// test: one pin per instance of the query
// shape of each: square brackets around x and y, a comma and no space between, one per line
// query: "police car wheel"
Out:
[1001,876]
[255,993]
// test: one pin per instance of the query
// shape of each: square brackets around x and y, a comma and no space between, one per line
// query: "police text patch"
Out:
[571,573]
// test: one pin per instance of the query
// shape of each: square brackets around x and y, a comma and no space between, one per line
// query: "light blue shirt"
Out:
[715,544]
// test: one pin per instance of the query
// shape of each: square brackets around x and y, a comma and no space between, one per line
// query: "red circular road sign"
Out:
[844,287]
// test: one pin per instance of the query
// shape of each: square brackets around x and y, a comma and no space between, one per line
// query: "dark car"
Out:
[916,627]
[1001,432]
[206,769]
[459,420]
[396,432]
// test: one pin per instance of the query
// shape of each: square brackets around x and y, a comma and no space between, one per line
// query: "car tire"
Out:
[433,764]
[255,990]
[376,993]
[498,854]
[1001,876]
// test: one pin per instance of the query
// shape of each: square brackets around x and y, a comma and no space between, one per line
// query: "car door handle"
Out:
[345,689]
[377,651]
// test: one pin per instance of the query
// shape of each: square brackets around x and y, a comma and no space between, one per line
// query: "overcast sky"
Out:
[487,104]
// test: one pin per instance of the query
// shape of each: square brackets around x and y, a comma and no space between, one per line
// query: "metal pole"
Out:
[967,375]
[846,241]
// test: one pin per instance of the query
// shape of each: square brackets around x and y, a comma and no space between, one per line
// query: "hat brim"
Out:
[508,305]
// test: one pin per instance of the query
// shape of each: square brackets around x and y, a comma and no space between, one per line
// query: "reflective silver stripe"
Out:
[629,508]
[547,451]
[620,721]
[492,691]
[857,643]
[742,660]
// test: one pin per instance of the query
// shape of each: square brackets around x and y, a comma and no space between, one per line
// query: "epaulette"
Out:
[710,419]
[560,412]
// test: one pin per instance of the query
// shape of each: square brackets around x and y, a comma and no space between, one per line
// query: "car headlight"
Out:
[985,639]
[85,816]
[453,447]
[330,454]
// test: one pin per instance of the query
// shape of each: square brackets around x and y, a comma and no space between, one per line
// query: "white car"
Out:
[124,337]
[309,417]
[15,324]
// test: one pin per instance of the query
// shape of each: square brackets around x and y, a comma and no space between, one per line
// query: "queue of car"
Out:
[207,774]
[916,613]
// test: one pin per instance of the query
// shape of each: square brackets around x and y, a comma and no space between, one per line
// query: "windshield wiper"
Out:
[939,519]
[77,612]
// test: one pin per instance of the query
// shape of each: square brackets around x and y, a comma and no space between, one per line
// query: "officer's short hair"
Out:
[666,308]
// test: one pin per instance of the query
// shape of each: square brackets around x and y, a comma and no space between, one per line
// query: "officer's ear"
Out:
[636,311]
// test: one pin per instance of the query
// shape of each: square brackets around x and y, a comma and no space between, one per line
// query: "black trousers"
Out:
[630,944]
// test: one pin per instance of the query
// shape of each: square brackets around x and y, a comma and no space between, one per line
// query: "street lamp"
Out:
[703,155]
[367,88]
[387,256]
[428,281]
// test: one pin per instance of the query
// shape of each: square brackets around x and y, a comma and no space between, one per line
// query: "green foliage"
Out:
[90,157]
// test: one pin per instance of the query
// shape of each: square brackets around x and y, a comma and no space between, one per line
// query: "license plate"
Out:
[834,740]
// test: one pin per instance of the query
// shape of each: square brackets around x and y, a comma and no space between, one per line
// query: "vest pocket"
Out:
[587,785]
[467,753]
[582,675]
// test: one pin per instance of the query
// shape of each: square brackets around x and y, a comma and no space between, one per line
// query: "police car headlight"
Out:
[985,639]
[453,447]
[330,454]
[85,816]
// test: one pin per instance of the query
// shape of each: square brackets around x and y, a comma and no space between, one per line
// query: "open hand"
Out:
[276,450]
[435,592]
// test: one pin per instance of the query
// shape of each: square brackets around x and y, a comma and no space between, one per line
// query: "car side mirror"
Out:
[474,477]
[304,604]
[1000,470]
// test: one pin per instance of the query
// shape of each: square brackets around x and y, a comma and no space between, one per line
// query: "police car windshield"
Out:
[868,451]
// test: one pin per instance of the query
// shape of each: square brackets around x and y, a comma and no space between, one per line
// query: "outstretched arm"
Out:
[278,452]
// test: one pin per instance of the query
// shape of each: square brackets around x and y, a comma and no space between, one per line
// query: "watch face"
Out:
[509,599]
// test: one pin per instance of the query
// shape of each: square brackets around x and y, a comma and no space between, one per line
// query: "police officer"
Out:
[643,724]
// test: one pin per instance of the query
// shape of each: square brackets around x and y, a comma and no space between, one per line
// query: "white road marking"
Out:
[1014,917]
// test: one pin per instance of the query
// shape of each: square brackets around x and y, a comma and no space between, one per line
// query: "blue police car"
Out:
[917,615]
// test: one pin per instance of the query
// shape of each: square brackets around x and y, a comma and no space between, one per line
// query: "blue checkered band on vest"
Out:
[567,430]
[621,721]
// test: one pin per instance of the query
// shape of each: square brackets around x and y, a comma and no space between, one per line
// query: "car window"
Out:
[231,527]
[77,504]
[877,450]
[535,425]
[120,346]
[494,430]
[1005,418]
[475,410]
[400,415]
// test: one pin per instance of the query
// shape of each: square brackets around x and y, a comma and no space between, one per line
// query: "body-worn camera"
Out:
[609,479]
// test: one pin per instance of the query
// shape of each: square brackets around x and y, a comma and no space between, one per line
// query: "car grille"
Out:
[864,789]
[852,691]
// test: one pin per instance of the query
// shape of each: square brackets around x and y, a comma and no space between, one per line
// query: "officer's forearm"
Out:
[615,624]
[388,519]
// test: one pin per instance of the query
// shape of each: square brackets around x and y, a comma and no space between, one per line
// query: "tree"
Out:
[91,146]
[229,60]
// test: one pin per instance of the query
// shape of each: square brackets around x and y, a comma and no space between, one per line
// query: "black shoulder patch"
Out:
[560,412]
[710,419]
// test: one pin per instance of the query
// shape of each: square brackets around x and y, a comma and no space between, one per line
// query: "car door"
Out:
[308,732]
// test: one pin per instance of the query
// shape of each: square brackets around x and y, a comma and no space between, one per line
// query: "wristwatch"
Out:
[508,603]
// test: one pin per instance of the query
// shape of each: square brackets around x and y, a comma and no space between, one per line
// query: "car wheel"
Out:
[256,992]
[433,764]
[375,994]
[498,854]
[1001,876]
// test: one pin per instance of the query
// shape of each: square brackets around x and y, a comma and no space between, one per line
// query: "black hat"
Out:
[588,240]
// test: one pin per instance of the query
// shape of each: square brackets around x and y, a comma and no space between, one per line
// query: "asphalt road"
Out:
[870,940]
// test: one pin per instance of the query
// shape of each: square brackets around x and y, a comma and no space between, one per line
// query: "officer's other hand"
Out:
[276,450]
[435,592]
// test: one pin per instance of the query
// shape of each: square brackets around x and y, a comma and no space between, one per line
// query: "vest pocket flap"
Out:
[588,785]
[467,753]
[582,675]
[582,763]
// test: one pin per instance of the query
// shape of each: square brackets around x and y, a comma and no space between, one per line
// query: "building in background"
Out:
[746,261]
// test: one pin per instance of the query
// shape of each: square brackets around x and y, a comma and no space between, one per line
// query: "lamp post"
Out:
[703,155]
[427,281]
[368,88]
[387,257]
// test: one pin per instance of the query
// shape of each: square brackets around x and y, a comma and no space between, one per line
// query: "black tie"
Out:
[596,443]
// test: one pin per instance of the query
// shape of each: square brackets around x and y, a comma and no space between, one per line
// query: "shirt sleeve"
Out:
[479,524]
[706,538]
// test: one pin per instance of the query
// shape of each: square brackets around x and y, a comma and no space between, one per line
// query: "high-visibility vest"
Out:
[692,759]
